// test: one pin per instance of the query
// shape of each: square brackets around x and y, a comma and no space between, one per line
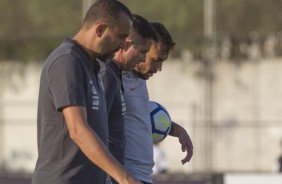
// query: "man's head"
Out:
[157,54]
[105,27]
[137,44]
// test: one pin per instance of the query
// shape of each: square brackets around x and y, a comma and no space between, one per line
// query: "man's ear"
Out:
[100,29]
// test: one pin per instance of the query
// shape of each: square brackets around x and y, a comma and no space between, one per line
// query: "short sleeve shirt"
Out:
[68,79]
[138,130]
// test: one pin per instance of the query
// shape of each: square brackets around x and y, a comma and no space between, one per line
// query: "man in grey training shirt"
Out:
[137,44]
[72,117]
[138,130]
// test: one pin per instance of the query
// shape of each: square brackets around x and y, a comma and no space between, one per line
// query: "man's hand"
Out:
[184,139]
[92,146]
[186,145]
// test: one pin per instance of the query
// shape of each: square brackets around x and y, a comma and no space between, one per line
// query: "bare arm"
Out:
[184,139]
[92,146]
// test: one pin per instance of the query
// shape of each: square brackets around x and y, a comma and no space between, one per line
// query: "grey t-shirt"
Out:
[138,130]
[68,79]
[112,80]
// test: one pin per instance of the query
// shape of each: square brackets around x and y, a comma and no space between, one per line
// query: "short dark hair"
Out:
[143,27]
[163,35]
[106,10]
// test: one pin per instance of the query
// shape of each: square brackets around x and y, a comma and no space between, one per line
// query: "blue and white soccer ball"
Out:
[160,120]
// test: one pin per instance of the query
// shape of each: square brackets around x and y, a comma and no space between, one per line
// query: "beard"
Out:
[140,75]
[107,55]
[139,70]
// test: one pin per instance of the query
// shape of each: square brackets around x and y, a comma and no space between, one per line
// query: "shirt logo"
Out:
[132,88]
[95,97]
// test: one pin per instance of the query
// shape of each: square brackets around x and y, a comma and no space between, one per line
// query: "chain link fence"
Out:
[30,29]
[237,40]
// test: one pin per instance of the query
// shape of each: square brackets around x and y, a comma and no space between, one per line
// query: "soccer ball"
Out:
[160,121]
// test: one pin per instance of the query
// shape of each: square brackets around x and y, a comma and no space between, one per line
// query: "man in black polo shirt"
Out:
[137,44]
[72,117]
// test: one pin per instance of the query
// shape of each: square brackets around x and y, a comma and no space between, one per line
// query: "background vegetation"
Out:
[30,29]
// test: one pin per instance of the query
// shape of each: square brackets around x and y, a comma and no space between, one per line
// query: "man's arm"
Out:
[92,146]
[184,139]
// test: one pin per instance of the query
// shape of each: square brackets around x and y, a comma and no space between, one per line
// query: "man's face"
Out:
[114,36]
[136,50]
[157,54]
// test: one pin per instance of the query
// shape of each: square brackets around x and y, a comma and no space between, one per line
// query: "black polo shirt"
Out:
[112,80]
[68,79]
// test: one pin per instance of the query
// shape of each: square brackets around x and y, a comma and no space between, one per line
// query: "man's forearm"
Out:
[90,144]
[95,150]
[174,131]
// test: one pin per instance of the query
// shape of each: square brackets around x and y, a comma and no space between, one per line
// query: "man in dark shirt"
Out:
[137,44]
[72,117]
